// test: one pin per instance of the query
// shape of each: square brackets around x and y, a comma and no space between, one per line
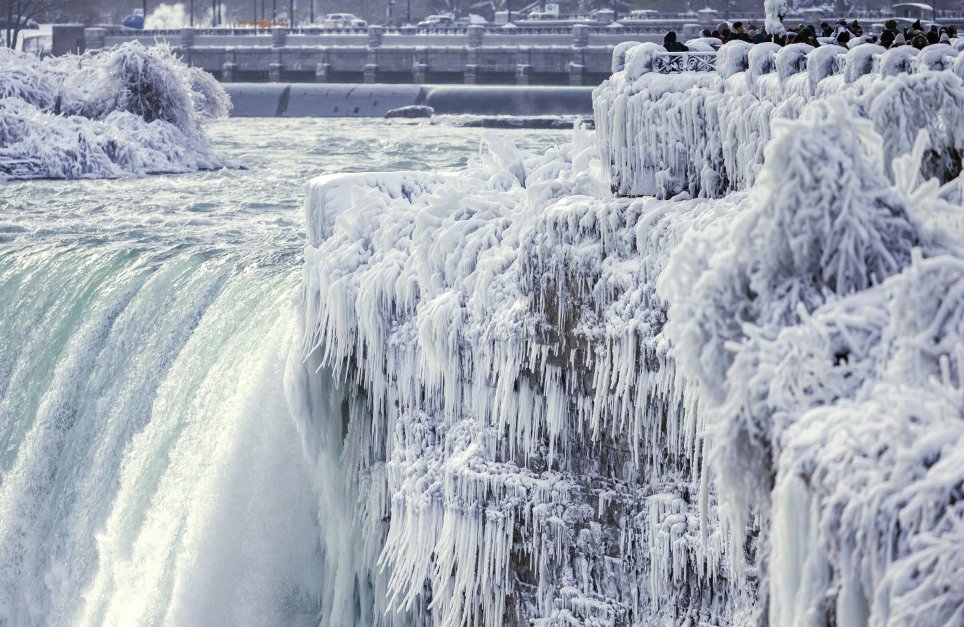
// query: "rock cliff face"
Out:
[548,403]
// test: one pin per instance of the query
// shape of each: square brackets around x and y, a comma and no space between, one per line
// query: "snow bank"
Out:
[563,406]
[704,133]
[110,113]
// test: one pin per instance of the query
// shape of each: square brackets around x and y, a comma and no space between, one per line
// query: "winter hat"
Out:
[944,38]
[899,40]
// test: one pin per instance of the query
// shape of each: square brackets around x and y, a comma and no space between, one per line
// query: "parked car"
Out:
[135,20]
[25,23]
[437,21]
[471,20]
[343,20]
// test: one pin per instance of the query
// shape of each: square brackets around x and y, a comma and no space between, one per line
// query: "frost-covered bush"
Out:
[824,328]
[823,220]
[931,101]
[128,110]
[704,133]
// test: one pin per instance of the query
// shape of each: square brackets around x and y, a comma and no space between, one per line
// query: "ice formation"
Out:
[775,10]
[123,111]
[742,402]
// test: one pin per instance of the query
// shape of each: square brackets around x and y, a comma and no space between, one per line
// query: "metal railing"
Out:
[675,62]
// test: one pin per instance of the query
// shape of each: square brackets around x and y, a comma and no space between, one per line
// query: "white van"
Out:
[343,20]
[437,21]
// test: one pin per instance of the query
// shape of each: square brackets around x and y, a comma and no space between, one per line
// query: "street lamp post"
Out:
[291,13]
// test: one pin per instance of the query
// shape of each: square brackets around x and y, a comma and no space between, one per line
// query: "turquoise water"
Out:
[149,470]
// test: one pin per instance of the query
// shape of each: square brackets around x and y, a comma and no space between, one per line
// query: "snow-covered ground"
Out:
[124,111]
[572,407]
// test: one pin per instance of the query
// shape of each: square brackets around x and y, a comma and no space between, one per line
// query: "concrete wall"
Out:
[67,39]
[312,100]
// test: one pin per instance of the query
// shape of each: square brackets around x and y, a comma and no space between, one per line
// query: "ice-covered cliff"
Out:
[566,406]
[123,111]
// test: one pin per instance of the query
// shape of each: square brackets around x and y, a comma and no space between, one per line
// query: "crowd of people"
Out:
[842,34]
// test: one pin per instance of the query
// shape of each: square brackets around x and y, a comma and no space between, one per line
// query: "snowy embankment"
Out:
[123,111]
[571,407]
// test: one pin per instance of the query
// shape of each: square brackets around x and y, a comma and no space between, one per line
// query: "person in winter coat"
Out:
[671,45]
[807,36]
[756,37]
[739,33]
[724,30]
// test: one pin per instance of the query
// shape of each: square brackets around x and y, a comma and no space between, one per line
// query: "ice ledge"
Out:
[329,196]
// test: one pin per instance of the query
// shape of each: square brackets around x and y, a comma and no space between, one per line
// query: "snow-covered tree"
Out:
[15,15]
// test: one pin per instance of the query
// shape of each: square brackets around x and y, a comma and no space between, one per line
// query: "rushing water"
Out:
[149,470]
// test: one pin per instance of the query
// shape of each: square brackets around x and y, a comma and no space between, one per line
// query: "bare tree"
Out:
[16,14]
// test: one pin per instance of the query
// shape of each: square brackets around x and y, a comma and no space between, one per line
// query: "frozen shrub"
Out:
[127,110]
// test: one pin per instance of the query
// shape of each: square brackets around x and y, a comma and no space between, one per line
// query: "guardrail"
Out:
[675,62]
[574,55]
[819,63]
